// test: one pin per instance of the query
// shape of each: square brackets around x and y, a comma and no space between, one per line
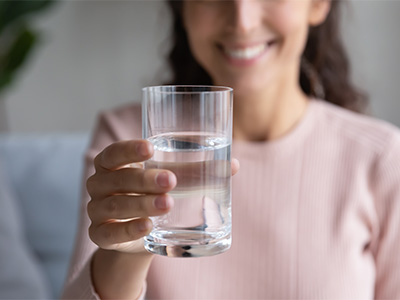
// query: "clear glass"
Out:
[191,130]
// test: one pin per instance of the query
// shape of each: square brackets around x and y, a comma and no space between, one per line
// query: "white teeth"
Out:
[246,53]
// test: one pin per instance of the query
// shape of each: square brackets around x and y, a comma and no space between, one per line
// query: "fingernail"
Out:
[143,149]
[162,179]
[144,225]
[163,202]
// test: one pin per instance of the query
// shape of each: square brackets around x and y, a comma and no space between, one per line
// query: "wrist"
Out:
[117,274]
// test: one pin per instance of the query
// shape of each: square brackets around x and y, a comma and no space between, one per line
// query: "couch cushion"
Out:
[21,275]
[45,172]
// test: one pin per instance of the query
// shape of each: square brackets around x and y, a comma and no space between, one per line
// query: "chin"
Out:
[245,83]
[245,88]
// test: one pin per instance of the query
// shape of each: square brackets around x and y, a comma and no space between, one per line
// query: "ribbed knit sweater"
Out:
[316,215]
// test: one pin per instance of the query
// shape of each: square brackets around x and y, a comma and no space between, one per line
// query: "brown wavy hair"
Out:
[325,67]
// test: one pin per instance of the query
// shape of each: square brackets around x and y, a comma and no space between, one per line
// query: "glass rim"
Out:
[215,89]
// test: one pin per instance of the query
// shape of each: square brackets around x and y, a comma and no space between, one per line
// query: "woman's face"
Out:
[251,44]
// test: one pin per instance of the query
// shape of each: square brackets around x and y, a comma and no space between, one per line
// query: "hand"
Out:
[124,197]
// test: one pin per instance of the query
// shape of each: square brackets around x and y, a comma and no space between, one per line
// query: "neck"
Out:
[268,114]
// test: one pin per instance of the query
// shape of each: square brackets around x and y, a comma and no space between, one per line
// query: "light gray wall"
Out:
[371,30]
[94,55]
[98,54]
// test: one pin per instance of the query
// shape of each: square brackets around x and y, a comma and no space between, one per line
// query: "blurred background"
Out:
[94,55]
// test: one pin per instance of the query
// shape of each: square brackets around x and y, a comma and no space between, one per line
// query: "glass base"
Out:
[186,244]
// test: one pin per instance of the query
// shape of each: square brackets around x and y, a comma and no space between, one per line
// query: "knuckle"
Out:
[135,175]
[127,180]
[141,206]
[91,184]
[146,205]
[105,153]
[119,182]
[100,158]
[96,160]
[92,233]
[91,208]
[130,147]
[148,177]
[102,235]
[129,231]
[112,205]
[106,233]
[141,180]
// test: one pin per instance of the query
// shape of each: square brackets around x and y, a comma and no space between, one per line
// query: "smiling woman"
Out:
[322,50]
[316,199]
[274,32]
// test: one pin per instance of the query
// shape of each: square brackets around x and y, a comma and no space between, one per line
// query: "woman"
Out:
[315,202]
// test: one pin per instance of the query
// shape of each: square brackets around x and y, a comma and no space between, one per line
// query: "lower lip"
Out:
[245,62]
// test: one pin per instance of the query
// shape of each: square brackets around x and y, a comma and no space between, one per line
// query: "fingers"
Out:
[110,227]
[235,166]
[122,207]
[131,180]
[118,217]
[110,235]
[122,153]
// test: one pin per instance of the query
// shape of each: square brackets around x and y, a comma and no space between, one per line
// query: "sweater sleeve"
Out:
[386,185]
[79,281]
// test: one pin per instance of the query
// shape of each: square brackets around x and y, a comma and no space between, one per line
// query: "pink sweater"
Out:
[316,215]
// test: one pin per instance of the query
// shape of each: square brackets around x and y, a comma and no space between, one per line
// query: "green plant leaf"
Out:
[20,49]
[5,81]
[12,10]
[17,55]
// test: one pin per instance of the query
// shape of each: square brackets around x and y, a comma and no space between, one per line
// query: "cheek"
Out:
[200,28]
[201,21]
[291,23]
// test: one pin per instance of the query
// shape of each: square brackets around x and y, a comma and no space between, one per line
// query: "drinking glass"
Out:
[191,130]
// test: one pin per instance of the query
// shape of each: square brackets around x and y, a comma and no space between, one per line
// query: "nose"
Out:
[247,15]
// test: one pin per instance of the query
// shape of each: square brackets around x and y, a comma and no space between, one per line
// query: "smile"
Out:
[246,53]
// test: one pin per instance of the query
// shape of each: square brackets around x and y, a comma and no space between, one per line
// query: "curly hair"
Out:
[325,67]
